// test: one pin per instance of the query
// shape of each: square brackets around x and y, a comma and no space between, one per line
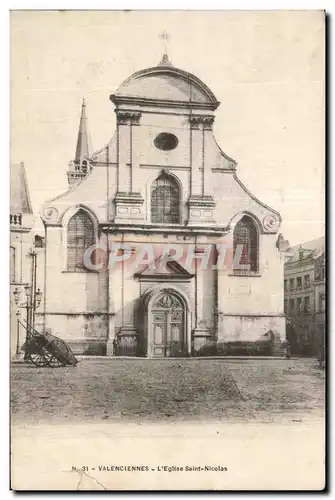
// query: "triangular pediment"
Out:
[164,269]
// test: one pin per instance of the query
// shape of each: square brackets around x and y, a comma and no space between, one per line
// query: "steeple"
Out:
[79,168]
[83,141]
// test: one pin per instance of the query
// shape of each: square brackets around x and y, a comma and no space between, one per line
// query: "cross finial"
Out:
[165,37]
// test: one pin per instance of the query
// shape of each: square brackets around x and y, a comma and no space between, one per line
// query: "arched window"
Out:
[165,199]
[246,246]
[80,236]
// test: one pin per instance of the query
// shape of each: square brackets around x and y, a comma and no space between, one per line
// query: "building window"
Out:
[299,283]
[285,306]
[285,285]
[39,241]
[165,200]
[322,303]
[291,311]
[301,254]
[307,281]
[166,142]
[12,265]
[306,304]
[323,272]
[299,304]
[292,284]
[80,236]
[246,244]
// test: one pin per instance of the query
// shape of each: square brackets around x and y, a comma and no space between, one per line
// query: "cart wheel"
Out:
[62,350]
[55,363]
[41,358]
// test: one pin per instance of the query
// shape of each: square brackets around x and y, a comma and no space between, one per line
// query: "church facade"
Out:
[140,254]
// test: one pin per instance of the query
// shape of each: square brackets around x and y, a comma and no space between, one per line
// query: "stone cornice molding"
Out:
[201,201]
[161,103]
[129,198]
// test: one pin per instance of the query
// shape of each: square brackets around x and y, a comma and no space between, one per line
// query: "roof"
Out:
[167,84]
[309,248]
[19,193]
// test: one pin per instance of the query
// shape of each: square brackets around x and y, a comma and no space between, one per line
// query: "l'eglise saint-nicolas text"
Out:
[192,468]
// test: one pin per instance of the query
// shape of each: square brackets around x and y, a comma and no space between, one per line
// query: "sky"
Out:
[266,68]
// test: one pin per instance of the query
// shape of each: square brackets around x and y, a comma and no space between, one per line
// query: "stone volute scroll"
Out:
[271,223]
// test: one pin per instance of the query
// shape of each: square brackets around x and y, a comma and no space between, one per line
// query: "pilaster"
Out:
[201,333]
[201,206]
[128,204]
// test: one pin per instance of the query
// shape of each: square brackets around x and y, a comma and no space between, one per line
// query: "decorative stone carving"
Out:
[270,223]
[50,214]
[197,120]
[128,117]
[282,244]
[208,122]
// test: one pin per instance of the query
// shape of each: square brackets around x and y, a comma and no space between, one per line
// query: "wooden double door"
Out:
[168,326]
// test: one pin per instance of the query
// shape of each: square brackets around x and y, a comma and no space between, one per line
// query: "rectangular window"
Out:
[12,265]
[306,304]
[322,302]
[285,306]
[285,285]
[299,283]
[292,284]
[307,281]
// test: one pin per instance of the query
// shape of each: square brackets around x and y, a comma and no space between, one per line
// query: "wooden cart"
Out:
[48,350]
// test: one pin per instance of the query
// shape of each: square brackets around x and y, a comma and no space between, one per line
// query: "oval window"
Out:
[166,141]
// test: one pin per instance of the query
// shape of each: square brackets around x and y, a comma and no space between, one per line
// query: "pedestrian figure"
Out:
[115,344]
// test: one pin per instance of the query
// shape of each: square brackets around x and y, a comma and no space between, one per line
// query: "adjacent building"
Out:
[304,295]
[21,243]
[162,179]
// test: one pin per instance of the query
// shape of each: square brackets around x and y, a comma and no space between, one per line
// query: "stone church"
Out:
[161,180]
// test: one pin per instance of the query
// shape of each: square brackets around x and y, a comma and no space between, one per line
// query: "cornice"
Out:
[168,229]
[201,201]
[162,103]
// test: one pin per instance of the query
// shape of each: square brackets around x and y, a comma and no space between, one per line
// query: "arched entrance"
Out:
[167,325]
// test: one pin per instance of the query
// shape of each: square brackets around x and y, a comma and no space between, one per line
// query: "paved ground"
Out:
[141,390]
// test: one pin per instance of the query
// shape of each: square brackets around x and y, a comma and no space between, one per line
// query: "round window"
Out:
[166,141]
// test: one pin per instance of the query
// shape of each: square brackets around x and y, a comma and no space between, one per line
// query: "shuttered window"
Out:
[80,236]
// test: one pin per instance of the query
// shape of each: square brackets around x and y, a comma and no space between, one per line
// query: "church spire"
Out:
[83,141]
[79,168]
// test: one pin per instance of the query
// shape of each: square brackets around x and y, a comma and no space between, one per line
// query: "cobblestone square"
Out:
[142,390]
